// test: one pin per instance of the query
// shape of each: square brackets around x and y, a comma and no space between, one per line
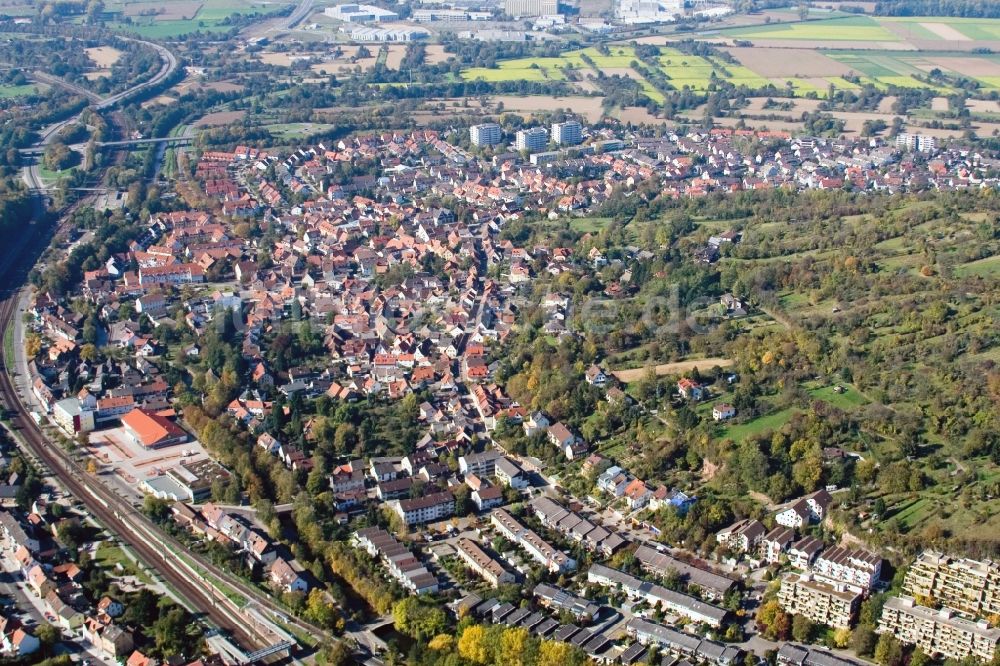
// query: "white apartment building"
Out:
[969,586]
[569,133]
[426,509]
[485,134]
[939,633]
[858,569]
[532,139]
[821,602]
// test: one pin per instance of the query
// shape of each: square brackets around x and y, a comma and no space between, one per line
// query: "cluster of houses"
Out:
[234,531]
[32,541]
[831,581]
[636,493]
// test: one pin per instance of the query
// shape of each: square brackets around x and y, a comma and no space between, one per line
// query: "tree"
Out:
[772,620]
[442,643]
[338,653]
[802,628]
[320,609]
[888,651]
[420,620]
[514,646]
[472,645]
[842,637]
[863,640]
[32,345]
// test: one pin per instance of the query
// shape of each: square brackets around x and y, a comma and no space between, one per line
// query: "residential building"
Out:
[790,654]
[804,552]
[553,560]
[743,536]
[402,564]
[509,473]
[480,464]
[775,543]
[559,599]
[823,603]
[485,134]
[532,139]
[483,564]
[939,633]
[568,133]
[969,586]
[713,585]
[857,568]
[681,644]
[426,509]
[656,595]
[723,411]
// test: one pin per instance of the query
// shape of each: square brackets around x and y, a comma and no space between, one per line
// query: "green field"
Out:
[209,18]
[922,27]
[7,92]
[771,421]
[986,268]
[853,29]
[847,401]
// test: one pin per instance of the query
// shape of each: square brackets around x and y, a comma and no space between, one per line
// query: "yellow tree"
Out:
[554,653]
[513,647]
[472,645]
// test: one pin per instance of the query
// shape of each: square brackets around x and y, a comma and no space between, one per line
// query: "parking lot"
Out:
[128,463]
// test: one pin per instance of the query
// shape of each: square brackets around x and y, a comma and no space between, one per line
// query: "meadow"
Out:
[182,17]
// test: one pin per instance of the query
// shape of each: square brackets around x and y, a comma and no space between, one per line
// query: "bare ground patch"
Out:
[435,54]
[983,106]
[771,63]
[104,56]
[179,10]
[220,118]
[945,31]
[395,57]
[967,66]
[939,104]
[633,374]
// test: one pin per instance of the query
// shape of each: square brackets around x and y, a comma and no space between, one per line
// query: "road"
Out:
[31,173]
[278,25]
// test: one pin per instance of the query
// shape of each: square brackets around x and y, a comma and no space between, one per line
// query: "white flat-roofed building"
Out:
[532,139]
[355,13]
[569,133]
[938,632]
[821,602]
[485,134]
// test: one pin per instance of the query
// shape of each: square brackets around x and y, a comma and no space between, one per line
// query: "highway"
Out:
[280,24]
[168,63]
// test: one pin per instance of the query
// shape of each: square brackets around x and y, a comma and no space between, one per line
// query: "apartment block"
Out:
[856,568]
[554,560]
[532,139]
[968,586]
[569,133]
[657,595]
[939,633]
[425,509]
[825,603]
[484,565]
[486,134]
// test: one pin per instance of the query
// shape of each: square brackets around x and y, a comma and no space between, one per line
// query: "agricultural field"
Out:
[850,29]
[797,66]
[173,19]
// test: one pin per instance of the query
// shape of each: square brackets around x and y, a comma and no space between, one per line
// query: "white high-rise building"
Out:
[486,134]
[569,133]
[532,139]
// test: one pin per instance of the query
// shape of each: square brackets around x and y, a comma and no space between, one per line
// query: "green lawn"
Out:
[847,401]
[985,268]
[591,225]
[771,421]
[7,92]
